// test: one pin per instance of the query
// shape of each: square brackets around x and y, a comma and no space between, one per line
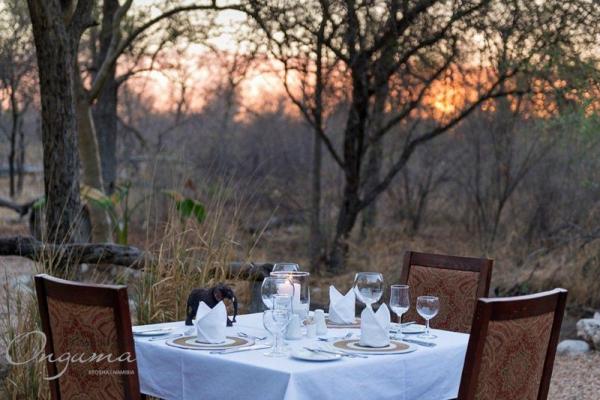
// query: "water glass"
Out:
[368,287]
[428,307]
[286,267]
[399,302]
[276,320]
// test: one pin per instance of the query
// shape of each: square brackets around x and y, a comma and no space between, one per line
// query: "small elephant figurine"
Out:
[211,297]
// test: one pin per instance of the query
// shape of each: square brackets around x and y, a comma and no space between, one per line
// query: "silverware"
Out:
[245,335]
[159,330]
[240,349]
[407,323]
[326,339]
[419,342]
[173,336]
[341,353]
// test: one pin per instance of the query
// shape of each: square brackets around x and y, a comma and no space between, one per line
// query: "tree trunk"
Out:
[346,219]
[92,170]
[314,245]
[354,136]
[21,160]
[372,172]
[55,56]
[105,109]
[16,121]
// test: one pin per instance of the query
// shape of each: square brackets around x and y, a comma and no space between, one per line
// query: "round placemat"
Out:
[353,346]
[356,324]
[190,342]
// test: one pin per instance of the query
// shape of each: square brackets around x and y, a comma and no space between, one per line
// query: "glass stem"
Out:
[427,329]
[278,342]
[400,325]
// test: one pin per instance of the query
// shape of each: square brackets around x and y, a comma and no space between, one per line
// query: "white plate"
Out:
[305,355]
[152,331]
[409,329]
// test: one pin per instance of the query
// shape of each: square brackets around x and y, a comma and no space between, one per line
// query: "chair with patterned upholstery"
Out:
[512,346]
[457,281]
[89,323]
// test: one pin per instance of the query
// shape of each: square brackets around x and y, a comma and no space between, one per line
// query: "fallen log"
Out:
[109,253]
[80,253]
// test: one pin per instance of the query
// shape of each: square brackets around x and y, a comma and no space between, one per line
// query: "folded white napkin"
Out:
[341,307]
[375,327]
[211,323]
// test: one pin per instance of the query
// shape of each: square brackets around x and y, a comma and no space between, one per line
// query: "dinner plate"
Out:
[305,355]
[353,346]
[140,331]
[411,329]
[191,342]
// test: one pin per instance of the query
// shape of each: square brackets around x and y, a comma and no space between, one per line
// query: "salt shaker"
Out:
[320,322]
[311,328]
[294,328]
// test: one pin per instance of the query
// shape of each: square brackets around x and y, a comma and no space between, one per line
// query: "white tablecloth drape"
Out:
[173,373]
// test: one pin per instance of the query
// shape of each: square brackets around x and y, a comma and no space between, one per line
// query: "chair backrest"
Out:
[512,346]
[88,333]
[457,281]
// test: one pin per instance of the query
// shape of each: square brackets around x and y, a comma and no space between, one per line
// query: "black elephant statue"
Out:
[211,297]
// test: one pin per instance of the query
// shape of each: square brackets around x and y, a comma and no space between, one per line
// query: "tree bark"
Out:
[373,168]
[92,170]
[315,238]
[105,109]
[55,52]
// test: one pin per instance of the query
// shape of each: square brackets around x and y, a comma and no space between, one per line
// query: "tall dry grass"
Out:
[187,253]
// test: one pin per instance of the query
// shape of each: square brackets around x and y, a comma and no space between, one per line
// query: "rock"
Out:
[22,283]
[573,347]
[588,329]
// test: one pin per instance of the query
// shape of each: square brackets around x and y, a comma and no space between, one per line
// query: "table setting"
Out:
[289,352]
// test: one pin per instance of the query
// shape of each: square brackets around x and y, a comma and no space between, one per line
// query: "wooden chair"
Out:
[457,281]
[80,320]
[512,346]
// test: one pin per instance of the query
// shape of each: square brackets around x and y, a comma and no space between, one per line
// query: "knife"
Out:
[419,342]
[240,349]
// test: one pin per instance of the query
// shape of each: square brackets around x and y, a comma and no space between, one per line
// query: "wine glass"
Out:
[368,287]
[276,320]
[273,285]
[428,307]
[286,267]
[399,302]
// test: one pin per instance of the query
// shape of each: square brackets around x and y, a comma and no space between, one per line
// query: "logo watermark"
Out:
[38,338]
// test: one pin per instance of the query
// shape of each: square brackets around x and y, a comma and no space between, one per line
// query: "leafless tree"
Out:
[427,40]
[17,84]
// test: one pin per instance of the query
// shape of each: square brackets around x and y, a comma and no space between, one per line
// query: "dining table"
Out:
[167,372]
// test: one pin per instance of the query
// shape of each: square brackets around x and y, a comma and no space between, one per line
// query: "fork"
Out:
[245,335]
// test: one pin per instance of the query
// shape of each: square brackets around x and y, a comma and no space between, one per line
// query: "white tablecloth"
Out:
[172,373]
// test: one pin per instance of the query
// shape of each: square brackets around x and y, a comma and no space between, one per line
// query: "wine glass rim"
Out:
[428,297]
[280,274]
[400,286]
[368,273]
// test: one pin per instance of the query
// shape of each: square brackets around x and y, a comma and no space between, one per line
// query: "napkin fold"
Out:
[341,307]
[375,327]
[211,323]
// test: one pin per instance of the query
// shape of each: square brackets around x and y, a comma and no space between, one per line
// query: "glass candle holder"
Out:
[301,290]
